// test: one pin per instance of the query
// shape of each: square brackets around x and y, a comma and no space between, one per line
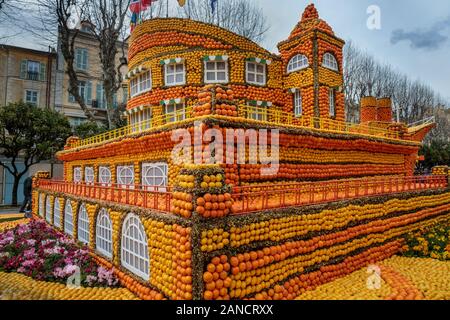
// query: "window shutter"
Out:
[85,59]
[115,100]
[23,69]
[42,73]
[89,93]
[99,96]
[77,58]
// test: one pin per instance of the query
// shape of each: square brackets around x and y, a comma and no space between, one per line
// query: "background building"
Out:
[89,71]
[40,78]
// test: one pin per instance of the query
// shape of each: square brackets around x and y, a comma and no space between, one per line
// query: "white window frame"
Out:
[68,218]
[174,73]
[151,173]
[332,102]
[77,176]
[103,234]
[83,224]
[36,103]
[104,175]
[216,71]
[48,209]
[89,175]
[56,213]
[120,176]
[174,112]
[82,53]
[41,204]
[330,62]
[298,103]
[141,120]
[253,113]
[141,83]
[134,247]
[297,62]
[256,73]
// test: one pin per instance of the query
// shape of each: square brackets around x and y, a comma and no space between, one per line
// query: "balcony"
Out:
[34,76]
[251,199]
[246,114]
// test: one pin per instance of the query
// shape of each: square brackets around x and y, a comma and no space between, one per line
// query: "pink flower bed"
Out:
[38,251]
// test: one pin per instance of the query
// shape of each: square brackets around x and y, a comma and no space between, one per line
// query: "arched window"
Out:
[83,224]
[68,218]
[57,213]
[330,62]
[48,209]
[103,234]
[104,175]
[134,251]
[298,62]
[41,204]
[89,174]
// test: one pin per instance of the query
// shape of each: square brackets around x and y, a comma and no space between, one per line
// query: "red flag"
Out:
[136,6]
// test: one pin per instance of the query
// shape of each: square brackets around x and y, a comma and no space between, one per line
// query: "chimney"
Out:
[368,109]
[384,110]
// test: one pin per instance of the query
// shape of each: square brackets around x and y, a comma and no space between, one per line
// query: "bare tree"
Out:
[243,17]
[50,21]
[108,17]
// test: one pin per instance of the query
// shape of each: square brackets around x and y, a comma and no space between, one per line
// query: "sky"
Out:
[414,35]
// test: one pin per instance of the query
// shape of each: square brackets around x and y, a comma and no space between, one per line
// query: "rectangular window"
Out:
[84,90]
[216,72]
[154,176]
[256,73]
[141,84]
[332,100]
[298,107]
[175,74]
[89,175]
[33,70]
[257,113]
[125,176]
[77,174]
[141,120]
[174,112]
[32,97]
[81,59]
[104,176]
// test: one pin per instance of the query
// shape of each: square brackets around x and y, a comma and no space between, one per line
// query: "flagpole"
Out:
[167,8]
[189,9]
[218,17]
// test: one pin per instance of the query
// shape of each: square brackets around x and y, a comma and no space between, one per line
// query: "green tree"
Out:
[89,129]
[29,135]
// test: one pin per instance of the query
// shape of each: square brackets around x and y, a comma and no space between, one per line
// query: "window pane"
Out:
[251,77]
[180,78]
[180,68]
[220,65]
[260,68]
[251,67]
[210,65]
[221,76]
[210,76]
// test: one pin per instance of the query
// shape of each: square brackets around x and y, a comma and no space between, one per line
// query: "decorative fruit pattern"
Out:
[400,279]
[15,286]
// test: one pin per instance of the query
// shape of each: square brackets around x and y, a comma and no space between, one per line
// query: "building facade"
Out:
[89,71]
[28,75]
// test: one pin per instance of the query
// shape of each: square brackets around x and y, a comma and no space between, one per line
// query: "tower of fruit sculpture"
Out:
[341,198]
